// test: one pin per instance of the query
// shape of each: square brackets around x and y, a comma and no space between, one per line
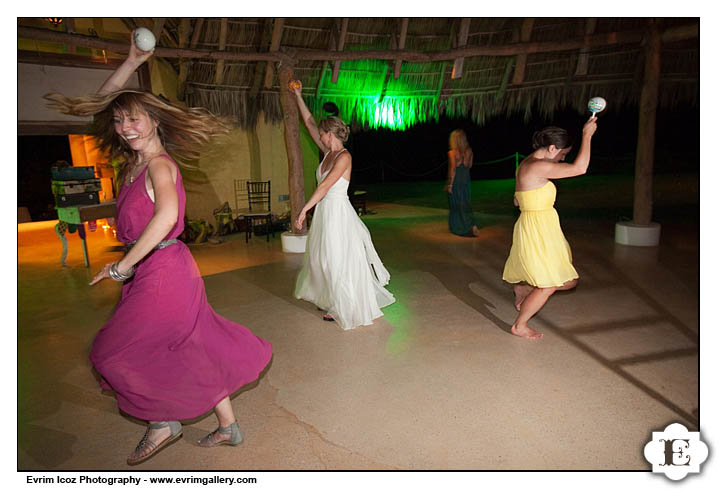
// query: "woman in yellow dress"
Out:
[540,259]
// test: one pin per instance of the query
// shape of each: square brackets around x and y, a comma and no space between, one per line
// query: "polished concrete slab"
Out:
[437,383]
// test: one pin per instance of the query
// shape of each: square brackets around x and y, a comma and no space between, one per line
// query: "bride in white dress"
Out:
[341,271]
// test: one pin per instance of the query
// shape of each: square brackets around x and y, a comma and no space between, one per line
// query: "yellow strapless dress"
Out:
[540,254]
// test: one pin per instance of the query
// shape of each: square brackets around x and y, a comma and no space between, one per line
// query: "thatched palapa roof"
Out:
[395,72]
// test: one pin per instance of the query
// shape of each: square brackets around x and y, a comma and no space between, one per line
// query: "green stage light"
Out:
[365,92]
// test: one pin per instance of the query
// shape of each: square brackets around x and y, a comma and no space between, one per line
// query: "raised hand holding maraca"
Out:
[590,126]
[295,86]
[137,55]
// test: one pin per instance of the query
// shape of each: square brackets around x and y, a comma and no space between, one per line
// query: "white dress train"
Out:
[341,271]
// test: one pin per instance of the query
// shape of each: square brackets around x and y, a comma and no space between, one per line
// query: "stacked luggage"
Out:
[75,186]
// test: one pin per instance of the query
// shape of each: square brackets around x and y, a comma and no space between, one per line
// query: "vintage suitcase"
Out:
[77,215]
[82,199]
[72,173]
[62,187]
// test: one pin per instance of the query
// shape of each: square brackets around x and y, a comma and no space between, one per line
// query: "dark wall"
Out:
[35,156]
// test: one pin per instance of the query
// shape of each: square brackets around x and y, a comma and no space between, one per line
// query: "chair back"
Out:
[240,193]
[259,195]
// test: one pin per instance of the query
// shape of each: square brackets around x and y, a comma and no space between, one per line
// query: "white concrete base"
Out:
[292,243]
[629,233]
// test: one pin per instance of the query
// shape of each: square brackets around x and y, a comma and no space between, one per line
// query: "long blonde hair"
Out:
[458,141]
[183,131]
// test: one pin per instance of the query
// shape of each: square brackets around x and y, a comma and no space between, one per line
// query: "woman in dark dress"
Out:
[461,158]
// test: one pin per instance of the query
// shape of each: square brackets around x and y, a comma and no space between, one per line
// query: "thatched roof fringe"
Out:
[566,60]
[479,106]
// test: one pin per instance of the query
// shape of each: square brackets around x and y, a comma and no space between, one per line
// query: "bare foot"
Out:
[328,318]
[526,332]
[521,291]
[475,230]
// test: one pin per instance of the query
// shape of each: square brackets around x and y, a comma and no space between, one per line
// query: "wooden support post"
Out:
[463,38]
[643,184]
[291,140]
[402,45]
[219,74]
[340,47]
[520,71]
[274,46]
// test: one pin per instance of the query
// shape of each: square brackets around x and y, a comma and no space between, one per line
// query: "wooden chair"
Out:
[240,193]
[259,200]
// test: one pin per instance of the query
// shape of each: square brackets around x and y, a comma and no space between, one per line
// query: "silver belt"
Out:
[159,246]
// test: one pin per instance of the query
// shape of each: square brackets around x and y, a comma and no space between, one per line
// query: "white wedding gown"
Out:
[341,271]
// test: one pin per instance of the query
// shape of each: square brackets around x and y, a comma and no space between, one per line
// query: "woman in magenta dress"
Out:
[165,352]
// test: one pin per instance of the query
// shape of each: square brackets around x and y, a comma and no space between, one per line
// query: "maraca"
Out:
[596,105]
[144,39]
[295,84]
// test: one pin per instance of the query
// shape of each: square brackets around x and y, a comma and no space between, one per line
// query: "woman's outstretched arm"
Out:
[308,119]
[552,170]
[122,74]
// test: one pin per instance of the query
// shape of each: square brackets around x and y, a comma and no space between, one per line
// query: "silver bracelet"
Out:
[116,275]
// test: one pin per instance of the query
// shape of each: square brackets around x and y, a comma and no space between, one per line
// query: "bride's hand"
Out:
[300,219]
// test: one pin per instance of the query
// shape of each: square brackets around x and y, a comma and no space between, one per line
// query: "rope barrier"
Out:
[516,156]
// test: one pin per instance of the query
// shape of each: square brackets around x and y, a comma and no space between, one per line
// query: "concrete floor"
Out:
[437,383]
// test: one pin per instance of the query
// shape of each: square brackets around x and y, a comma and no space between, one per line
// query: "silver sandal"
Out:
[208,440]
[145,443]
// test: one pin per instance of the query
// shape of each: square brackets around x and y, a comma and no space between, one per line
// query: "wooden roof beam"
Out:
[340,47]
[525,35]
[219,74]
[184,31]
[196,32]
[333,41]
[70,23]
[582,65]
[462,39]
[259,68]
[157,27]
[511,49]
[402,44]
[273,47]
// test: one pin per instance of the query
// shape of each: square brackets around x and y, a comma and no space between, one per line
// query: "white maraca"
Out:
[144,39]
[596,105]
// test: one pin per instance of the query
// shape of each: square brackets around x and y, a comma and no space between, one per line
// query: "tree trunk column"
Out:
[641,231]
[291,140]
[643,184]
